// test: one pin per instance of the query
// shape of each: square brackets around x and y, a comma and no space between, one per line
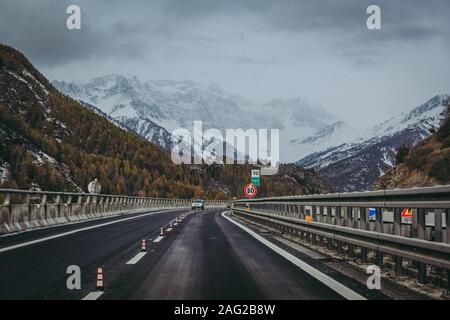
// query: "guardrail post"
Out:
[364,224]
[348,217]
[420,232]
[105,207]
[44,205]
[447,228]
[339,247]
[314,213]
[329,215]
[69,206]
[379,220]
[58,206]
[438,236]
[349,224]
[421,213]
[398,232]
[364,219]
[337,215]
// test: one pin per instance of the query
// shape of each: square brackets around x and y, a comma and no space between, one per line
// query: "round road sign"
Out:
[94,187]
[250,190]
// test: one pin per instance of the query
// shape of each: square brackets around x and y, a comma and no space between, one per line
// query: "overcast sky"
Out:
[319,50]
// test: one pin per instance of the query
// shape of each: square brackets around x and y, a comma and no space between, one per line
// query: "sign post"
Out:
[256,177]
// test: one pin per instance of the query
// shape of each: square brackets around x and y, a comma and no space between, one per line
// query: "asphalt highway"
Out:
[203,257]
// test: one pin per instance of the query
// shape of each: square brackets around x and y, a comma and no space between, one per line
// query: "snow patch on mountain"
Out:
[155,108]
[330,136]
[373,153]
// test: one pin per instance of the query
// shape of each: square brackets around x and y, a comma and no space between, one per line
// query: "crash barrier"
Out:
[22,210]
[406,229]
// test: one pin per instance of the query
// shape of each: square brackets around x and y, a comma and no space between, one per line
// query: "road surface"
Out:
[203,257]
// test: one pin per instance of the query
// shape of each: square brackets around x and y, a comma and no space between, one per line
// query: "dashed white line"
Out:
[168,229]
[137,257]
[94,295]
[28,243]
[158,239]
[326,280]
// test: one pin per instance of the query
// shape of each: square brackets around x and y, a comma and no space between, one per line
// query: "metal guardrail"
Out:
[342,222]
[22,210]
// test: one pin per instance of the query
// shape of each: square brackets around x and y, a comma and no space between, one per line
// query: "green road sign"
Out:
[255,178]
[255,181]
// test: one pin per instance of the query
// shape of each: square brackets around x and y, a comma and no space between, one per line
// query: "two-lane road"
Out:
[38,270]
[204,257]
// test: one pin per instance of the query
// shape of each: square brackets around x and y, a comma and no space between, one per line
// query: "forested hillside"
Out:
[50,141]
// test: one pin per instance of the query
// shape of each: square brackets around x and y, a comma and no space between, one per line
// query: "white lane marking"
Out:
[326,280]
[28,243]
[168,229]
[175,224]
[137,257]
[158,239]
[94,295]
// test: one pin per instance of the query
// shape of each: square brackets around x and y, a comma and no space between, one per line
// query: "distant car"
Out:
[198,204]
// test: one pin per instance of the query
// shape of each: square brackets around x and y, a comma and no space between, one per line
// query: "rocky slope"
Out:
[426,164]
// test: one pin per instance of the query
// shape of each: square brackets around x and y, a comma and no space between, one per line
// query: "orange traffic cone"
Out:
[143,246]
[99,285]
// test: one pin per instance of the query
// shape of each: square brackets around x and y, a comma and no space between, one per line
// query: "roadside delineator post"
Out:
[161,232]
[99,283]
[143,245]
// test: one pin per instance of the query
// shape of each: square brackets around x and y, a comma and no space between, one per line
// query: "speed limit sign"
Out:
[250,190]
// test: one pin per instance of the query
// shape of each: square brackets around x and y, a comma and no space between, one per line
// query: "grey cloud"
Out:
[39,30]
[260,49]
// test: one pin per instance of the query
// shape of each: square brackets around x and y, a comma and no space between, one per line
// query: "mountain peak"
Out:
[356,164]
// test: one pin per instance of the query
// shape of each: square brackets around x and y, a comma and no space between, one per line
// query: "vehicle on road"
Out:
[198,204]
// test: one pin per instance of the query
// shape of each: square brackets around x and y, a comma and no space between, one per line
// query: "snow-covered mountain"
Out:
[155,108]
[356,164]
[347,158]
[329,136]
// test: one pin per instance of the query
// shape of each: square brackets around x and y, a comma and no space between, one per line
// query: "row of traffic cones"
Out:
[100,280]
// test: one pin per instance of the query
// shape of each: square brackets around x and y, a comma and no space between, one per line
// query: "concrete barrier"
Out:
[23,210]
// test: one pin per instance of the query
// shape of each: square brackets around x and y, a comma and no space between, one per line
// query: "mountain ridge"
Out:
[49,140]
[171,104]
[425,164]
[355,165]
